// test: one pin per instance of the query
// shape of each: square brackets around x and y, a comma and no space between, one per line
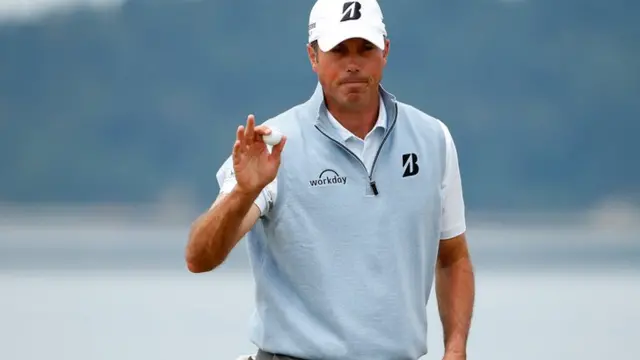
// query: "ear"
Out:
[385,53]
[312,57]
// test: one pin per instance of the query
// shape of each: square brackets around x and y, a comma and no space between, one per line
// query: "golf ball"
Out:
[273,138]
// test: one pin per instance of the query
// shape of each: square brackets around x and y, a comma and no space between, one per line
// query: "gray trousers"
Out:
[263,355]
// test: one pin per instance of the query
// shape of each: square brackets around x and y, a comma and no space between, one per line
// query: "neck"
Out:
[358,121]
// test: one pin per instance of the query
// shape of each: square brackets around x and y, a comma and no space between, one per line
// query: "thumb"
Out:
[276,151]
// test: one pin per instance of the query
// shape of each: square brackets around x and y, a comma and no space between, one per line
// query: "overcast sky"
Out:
[17,11]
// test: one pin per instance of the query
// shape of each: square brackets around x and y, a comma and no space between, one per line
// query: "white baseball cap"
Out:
[334,21]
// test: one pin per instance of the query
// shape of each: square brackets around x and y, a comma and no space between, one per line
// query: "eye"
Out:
[338,49]
[368,46]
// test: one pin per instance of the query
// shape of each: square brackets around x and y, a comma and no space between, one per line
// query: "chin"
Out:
[355,90]
[355,100]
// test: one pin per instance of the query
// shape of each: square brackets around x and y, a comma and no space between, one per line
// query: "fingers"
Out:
[253,133]
[240,134]
[237,150]
[262,130]
[249,131]
[239,145]
[276,151]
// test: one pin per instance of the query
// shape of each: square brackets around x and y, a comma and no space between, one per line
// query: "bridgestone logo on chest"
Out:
[328,177]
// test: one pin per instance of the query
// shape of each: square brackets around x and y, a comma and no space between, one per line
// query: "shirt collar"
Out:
[318,110]
[345,134]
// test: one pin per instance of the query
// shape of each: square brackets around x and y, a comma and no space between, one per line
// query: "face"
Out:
[350,72]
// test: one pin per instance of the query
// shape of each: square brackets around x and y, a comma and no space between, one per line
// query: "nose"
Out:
[352,67]
[353,62]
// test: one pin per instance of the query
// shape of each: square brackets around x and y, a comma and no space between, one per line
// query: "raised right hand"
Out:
[253,165]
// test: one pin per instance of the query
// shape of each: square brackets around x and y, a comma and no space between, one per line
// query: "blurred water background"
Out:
[115,115]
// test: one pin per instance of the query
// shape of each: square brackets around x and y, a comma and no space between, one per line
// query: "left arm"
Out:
[455,292]
[455,287]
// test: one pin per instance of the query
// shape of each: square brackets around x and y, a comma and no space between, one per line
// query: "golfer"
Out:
[351,217]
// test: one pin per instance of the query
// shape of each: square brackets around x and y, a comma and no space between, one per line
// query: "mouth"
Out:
[354,83]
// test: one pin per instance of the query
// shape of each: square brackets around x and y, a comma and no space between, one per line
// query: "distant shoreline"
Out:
[615,215]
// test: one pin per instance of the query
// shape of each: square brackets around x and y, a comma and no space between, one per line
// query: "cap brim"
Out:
[339,34]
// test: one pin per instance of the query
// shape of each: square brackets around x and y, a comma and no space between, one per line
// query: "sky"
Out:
[29,11]
[25,11]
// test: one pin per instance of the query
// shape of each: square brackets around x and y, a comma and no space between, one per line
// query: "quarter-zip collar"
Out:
[324,125]
[320,111]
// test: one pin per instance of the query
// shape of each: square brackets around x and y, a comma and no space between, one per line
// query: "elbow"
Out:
[197,264]
[198,268]
[204,254]
[196,261]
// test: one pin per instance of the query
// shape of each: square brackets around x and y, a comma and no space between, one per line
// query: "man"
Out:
[351,216]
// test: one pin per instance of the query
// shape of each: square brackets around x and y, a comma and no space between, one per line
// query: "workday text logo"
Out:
[328,177]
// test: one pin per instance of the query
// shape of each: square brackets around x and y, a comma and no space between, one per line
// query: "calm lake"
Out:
[122,293]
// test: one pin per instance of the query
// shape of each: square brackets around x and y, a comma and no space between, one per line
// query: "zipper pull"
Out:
[374,188]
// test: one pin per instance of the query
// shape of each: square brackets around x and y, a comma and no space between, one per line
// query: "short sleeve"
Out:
[453,222]
[227,181]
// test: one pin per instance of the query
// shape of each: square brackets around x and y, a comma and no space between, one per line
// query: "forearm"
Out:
[455,291]
[214,234]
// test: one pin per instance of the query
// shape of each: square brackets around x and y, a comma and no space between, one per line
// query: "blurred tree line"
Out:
[542,97]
